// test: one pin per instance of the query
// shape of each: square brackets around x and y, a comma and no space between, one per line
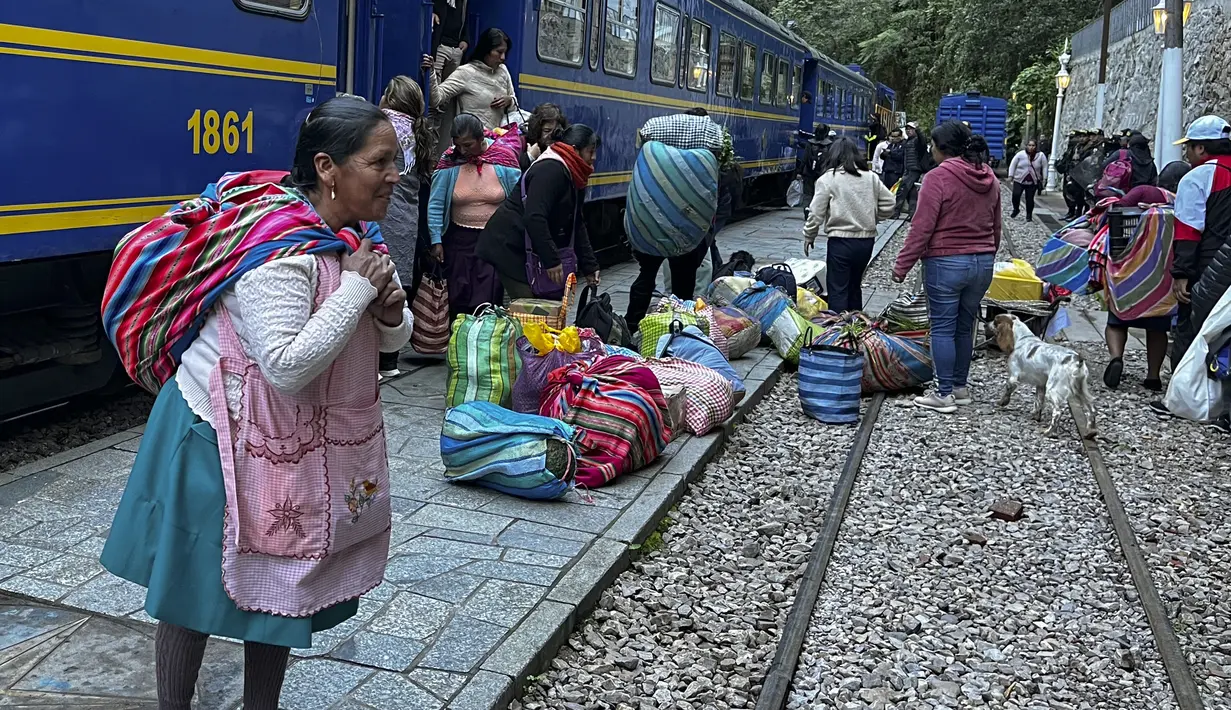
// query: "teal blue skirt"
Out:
[167,535]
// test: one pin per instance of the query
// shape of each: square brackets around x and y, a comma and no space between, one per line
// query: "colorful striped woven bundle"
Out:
[1064,264]
[671,200]
[168,273]
[1138,284]
[482,357]
[892,361]
[617,404]
[523,455]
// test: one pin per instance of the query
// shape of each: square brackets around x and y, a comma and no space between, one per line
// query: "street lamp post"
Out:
[1062,83]
[1170,120]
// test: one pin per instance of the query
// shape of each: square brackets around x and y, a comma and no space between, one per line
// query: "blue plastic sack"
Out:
[689,343]
[497,448]
[829,383]
[763,303]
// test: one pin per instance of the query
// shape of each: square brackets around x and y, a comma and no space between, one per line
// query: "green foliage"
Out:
[926,48]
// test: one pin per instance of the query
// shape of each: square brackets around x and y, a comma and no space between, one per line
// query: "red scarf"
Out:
[578,168]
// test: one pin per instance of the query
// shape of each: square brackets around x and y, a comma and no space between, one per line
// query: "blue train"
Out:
[116,110]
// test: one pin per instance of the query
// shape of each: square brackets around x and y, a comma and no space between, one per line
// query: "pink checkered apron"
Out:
[307,516]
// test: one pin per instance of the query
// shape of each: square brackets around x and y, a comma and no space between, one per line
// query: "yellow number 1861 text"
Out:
[211,132]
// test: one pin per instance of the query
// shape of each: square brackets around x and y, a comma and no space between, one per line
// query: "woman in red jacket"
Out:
[956,232]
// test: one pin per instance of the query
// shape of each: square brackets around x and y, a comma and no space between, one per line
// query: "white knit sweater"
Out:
[475,85]
[271,308]
[846,205]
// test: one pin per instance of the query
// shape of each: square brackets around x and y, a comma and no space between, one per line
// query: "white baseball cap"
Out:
[1206,128]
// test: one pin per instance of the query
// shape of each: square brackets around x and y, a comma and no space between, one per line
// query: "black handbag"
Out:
[594,311]
[780,277]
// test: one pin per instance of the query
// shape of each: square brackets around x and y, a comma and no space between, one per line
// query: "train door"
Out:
[807,110]
[361,35]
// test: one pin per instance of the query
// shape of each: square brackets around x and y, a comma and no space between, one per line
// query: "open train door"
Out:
[807,110]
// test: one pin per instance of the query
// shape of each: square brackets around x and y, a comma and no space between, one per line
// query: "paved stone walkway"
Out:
[480,590]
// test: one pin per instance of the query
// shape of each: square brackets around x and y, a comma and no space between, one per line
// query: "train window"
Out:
[297,9]
[783,84]
[698,56]
[726,65]
[797,82]
[767,79]
[620,49]
[562,31]
[747,71]
[596,29]
[664,51]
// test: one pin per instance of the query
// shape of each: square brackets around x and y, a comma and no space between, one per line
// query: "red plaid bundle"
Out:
[709,399]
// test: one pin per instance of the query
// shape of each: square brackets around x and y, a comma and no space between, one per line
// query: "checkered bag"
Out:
[684,131]
[709,399]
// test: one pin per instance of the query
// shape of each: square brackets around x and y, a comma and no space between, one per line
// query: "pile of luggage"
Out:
[536,409]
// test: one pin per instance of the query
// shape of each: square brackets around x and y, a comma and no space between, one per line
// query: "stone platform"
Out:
[480,591]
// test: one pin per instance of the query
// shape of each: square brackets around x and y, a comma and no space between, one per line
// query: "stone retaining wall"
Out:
[1133,68]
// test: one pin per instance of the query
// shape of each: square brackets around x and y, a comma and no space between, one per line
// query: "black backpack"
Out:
[780,277]
[740,261]
[598,315]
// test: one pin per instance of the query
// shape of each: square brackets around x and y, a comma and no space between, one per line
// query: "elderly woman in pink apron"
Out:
[258,506]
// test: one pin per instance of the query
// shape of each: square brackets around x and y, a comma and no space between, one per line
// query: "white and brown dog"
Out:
[1058,374]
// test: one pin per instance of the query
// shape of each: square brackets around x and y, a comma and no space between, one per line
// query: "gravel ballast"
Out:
[77,423]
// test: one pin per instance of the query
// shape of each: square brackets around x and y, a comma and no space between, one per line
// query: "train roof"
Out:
[777,27]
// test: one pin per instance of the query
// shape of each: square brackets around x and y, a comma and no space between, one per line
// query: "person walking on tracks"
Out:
[849,201]
[258,507]
[913,159]
[956,232]
[1028,171]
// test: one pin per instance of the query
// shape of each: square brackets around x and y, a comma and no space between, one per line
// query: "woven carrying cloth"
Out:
[307,518]
[523,455]
[167,273]
[709,399]
[672,199]
[617,405]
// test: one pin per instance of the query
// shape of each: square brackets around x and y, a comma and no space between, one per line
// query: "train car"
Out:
[115,111]
[988,116]
[886,106]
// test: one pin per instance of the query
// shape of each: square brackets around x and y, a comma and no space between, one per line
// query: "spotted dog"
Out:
[1058,374]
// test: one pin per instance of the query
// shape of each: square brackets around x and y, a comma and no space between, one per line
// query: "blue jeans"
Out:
[955,285]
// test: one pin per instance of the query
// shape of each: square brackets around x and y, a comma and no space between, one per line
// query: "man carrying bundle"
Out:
[672,200]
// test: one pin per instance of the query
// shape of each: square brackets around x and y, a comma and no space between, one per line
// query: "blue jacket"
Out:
[440,202]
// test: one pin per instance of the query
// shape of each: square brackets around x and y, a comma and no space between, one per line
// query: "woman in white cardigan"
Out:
[848,202]
[1028,170]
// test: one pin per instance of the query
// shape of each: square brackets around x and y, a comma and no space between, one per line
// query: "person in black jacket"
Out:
[550,216]
[913,160]
[894,158]
[1138,150]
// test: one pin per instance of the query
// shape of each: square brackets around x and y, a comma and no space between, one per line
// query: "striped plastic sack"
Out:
[656,325]
[431,309]
[708,397]
[532,379]
[909,311]
[617,405]
[523,455]
[671,200]
[726,289]
[763,303]
[829,383]
[482,357]
[742,332]
[788,333]
[892,361]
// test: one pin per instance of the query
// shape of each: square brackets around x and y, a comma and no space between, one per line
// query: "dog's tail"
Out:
[1081,389]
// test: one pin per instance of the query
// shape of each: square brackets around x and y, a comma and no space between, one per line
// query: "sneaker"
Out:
[1153,385]
[936,403]
[961,396]
[1222,423]
[1160,410]
[390,373]
[1014,214]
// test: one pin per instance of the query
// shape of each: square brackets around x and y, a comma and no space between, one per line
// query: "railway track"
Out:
[782,671]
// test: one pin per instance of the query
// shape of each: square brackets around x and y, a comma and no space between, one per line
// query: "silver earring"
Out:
[332,195]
